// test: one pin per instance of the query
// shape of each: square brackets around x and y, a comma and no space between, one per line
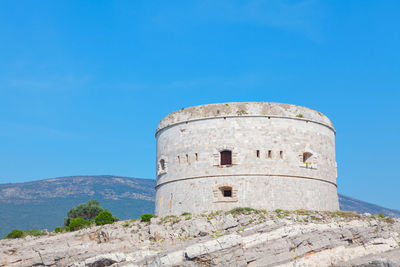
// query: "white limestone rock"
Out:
[228,240]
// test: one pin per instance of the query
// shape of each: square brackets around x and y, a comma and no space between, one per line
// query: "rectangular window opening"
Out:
[197,156]
[306,156]
[226,157]
[187,158]
[258,153]
[179,159]
[162,164]
[269,154]
[281,154]
[227,192]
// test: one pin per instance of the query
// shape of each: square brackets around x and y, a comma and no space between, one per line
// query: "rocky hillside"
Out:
[25,205]
[242,237]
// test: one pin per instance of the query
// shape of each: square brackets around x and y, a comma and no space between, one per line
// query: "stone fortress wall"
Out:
[254,154]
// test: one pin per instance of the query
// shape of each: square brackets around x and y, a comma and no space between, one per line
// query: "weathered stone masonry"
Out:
[260,155]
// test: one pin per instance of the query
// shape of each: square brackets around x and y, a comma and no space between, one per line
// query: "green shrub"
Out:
[33,232]
[241,210]
[380,215]
[146,217]
[302,212]
[87,211]
[347,214]
[104,217]
[57,230]
[15,234]
[78,223]
[389,220]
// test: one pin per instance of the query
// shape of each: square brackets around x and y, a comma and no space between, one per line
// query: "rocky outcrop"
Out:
[237,238]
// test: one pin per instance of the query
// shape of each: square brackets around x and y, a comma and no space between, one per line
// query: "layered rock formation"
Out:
[238,238]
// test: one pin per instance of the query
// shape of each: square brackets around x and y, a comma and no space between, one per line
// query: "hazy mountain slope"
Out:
[352,204]
[106,186]
[44,204]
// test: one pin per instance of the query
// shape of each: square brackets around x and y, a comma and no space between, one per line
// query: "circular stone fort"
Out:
[253,154]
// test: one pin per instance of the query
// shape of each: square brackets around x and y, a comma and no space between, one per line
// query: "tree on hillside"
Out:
[87,211]
[105,217]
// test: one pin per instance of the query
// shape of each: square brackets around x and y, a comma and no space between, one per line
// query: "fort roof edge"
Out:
[243,109]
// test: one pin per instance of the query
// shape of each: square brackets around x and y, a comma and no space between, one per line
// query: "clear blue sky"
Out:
[83,84]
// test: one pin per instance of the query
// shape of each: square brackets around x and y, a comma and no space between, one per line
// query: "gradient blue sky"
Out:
[83,84]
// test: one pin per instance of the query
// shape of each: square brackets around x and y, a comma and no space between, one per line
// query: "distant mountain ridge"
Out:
[103,186]
[43,204]
[351,204]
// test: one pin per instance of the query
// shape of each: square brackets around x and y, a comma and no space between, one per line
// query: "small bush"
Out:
[15,234]
[33,232]
[389,220]
[302,212]
[104,217]
[281,213]
[171,218]
[186,214]
[245,210]
[57,230]
[380,215]
[347,214]
[146,217]
[78,223]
